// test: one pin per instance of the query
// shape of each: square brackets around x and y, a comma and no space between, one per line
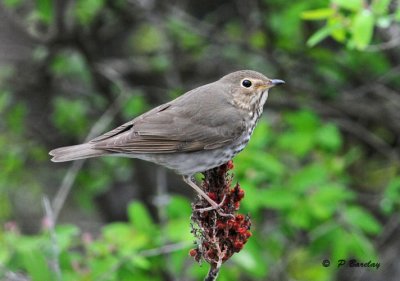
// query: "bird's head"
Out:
[249,89]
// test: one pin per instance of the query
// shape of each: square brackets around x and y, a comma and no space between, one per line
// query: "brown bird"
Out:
[198,131]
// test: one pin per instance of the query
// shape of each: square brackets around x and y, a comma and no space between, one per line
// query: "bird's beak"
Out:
[275,82]
[271,83]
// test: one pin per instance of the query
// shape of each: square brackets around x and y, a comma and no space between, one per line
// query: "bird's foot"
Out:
[217,208]
[214,205]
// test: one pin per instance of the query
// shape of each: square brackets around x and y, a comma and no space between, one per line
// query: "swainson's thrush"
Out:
[198,131]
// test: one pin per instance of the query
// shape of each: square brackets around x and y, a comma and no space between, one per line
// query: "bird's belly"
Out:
[189,163]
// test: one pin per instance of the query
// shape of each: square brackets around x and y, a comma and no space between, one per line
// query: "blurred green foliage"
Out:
[302,185]
[122,251]
[86,10]
[352,21]
[297,170]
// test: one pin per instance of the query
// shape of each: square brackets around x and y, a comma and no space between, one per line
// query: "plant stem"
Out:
[212,273]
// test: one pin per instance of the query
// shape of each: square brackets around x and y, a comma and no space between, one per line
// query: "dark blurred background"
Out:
[321,173]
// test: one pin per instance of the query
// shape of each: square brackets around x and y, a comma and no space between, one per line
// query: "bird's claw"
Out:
[217,208]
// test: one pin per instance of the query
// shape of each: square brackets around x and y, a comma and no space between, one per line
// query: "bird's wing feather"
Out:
[173,128]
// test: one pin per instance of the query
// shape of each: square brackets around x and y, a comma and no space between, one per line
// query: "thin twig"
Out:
[161,201]
[65,187]
[97,128]
[393,43]
[13,276]
[368,137]
[54,262]
[389,230]
[162,198]
[166,249]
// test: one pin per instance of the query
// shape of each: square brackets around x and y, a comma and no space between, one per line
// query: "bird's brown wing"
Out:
[172,128]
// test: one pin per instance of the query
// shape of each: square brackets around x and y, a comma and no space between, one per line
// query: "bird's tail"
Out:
[75,152]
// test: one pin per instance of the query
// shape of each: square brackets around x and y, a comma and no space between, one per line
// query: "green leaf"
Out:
[299,143]
[251,259]
[140,217]
[391,196]
[5,212]
[135,105]
[318,14]
[339,244]
[338,22]
[303,265]
[65,235]
[271,165]
[320,35]
[16,117]
[72,64]
[352,5]
[252,201]
[277,198]
[380,7]
[178,207]
[36,264]
[258,40]
[299,216]
[309,177]
[397,14]
[361,246]
[5,98]
[95,181]
[304,120]
[123,239]
[358,217]
[261,135]
[246,260]
[187,38]
[140,262]
[177,261]
[234,31]
[329,138]
[160,62]
[178,230]
[116,231]
[362,29]
[102,267]
[70,116]
[12,3]
[334,194]
[148,39]
[45,10]
[260,166]
[13,161]
[86,10]
[323,201]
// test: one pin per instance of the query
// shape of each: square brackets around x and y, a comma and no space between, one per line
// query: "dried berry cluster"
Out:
[221,233]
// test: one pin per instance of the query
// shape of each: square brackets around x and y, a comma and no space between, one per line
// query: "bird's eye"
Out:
[246,83]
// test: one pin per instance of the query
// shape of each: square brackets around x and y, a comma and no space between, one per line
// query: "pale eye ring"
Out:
[246,83]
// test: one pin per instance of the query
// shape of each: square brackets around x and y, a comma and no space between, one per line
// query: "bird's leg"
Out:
[189,181]
[214,205]
[213,208]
